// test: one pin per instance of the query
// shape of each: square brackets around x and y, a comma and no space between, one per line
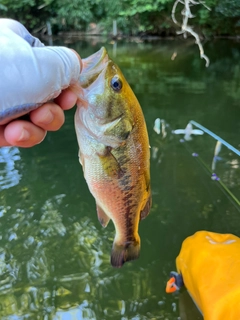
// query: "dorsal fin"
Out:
[144,213]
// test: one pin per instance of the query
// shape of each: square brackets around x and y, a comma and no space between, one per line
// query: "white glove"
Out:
[30,73]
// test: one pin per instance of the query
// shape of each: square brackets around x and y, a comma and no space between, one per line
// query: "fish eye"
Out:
[116,83]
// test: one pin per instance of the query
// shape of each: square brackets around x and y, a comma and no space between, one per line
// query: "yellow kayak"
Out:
[209,265]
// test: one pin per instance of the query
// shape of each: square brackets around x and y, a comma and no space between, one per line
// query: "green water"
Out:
[54,254]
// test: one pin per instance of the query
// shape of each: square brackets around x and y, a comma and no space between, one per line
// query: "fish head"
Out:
[109,104]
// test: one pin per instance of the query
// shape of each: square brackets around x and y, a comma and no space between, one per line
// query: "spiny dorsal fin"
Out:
[102,217]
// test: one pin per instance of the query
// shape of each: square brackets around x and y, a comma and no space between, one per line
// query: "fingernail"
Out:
[43,137]
[48,118]
[25,135]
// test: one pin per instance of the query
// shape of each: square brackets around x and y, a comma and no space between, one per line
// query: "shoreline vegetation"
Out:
[127,18]
[134,20]
[147,37]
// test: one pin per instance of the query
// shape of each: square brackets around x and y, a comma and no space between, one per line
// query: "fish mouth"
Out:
[95,85]
[92,67]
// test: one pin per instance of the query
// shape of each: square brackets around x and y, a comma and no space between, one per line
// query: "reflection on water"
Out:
[216,157]
[188,132]
[214,169]
[9,175]
[54,254]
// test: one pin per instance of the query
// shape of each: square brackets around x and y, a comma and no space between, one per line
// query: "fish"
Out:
[114,152]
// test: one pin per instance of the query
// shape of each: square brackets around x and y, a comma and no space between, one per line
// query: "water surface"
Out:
[54,254]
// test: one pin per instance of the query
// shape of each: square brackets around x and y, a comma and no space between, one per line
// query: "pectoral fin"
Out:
[120,130]
[102,217]
[80,157]
[110,164]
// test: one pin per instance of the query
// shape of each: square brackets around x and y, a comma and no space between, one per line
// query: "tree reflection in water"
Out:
[52,271]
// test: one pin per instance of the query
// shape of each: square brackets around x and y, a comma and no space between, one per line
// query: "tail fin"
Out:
[121,254]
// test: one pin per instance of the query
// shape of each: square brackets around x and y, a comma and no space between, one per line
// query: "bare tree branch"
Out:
[185,28]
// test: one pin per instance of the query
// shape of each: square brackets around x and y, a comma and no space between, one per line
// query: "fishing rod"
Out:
[216,137]
[188,131]
[202,162]
[226,190]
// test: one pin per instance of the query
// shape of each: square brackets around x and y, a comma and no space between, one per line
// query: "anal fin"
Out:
[102,216]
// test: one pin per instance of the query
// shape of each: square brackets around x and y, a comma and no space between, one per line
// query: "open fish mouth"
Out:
[95,84]
[93,66]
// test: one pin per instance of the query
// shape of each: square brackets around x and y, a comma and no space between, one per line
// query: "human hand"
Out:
[38,80]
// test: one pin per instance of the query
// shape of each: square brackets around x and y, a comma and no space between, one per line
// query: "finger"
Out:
[49,117]
[24,134]
[67,99]
[3,141]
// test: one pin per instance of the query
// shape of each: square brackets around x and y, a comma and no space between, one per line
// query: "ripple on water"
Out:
[9,174]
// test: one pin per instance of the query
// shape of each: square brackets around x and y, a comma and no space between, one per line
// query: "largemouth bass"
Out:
[114,152]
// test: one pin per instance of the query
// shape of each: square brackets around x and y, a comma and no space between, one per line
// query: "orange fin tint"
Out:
[102,217]
[121,254]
